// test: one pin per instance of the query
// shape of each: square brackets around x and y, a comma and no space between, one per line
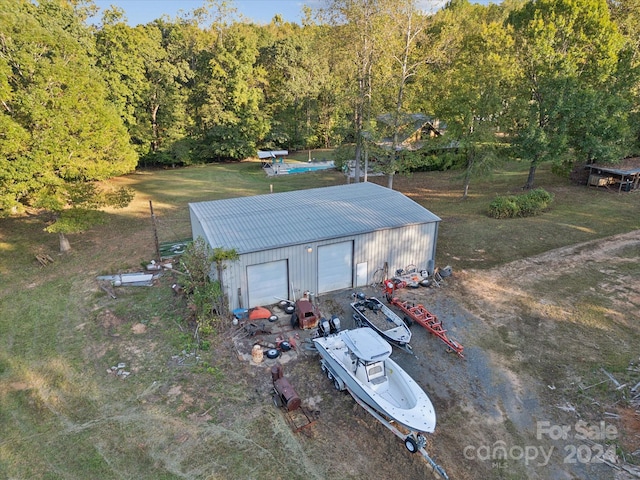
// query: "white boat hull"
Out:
[394,394]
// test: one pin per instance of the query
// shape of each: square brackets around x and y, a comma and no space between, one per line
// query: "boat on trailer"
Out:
[371,312]
[359,361]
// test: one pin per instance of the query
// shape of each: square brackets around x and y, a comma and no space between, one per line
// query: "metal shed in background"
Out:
[318,240]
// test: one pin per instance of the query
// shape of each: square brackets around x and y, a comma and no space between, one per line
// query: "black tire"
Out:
[277,401]
[295,322]
[273,353]
[273,318]
[408,321]
[411,444]
[289,309]
[336,384]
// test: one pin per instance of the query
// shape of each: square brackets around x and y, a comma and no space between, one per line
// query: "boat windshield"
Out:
[375,371]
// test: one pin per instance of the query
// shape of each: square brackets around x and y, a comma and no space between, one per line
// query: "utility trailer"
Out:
[413,442]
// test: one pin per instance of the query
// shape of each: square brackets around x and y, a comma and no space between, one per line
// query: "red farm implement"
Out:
[419,314]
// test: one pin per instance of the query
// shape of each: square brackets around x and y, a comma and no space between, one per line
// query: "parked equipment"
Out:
[371,312]
[306,315]
[255,313]
[284,394]
[419,314]
[285,397]
[359,362]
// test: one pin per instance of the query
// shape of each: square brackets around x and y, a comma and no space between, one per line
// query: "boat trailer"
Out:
[414,442]
[419,314]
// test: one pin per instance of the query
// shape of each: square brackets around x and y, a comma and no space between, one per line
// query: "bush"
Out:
[526,205]
[504,207]
[541,196]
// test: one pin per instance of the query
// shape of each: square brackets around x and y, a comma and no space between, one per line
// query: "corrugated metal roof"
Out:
[261,222]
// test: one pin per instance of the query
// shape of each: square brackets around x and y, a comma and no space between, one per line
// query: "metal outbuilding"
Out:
[318,240]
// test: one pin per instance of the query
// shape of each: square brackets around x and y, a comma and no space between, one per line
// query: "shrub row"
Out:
[528,204]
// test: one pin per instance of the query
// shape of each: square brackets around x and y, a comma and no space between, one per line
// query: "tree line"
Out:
[541,81]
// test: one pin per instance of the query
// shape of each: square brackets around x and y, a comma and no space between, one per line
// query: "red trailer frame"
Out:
[419,314]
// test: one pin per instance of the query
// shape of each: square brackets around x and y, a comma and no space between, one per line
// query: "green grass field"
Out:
[62,416]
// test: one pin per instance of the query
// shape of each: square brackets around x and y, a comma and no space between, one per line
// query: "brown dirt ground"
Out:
[487,400]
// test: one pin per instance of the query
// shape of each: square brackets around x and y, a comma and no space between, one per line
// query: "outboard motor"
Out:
[324,327]
[335,324]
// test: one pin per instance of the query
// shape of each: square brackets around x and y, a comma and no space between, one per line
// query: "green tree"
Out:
[356,28]
[474,85]
[61,132]
[564,49]
[405,31]
[206,296]
[296,75]
[129,59]
[228,98]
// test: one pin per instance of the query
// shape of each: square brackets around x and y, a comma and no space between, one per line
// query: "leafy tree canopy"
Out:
[58,130]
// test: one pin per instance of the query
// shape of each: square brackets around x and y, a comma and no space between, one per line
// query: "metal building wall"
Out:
[197,229]
[398,247]
[301,264]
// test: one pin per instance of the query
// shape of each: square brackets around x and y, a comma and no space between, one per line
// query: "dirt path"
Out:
[524,342]
[524,337]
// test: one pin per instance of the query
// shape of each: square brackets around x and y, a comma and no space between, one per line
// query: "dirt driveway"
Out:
[521,404]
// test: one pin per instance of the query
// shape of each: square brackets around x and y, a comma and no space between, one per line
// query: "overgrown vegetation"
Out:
[527,204]
[205,296]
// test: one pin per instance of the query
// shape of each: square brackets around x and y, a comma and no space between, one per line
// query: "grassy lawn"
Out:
[64,417]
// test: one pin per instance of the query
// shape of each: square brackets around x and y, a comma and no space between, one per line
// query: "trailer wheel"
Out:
[336,384]
[408,321]
[277,401]
[411,444]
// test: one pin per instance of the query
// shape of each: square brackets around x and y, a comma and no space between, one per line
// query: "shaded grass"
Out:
[468,238]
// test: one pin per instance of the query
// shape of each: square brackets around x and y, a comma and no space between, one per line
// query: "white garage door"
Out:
[335,267]
[267,282]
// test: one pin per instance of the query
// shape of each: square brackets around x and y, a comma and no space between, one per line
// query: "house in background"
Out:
[414,129]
